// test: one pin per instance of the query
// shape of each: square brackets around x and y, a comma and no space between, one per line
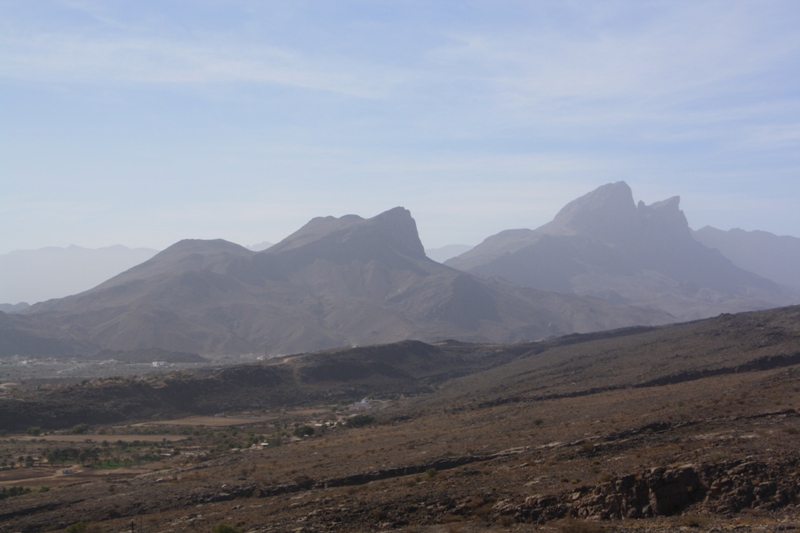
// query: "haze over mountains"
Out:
[335,282]
[603,262]
[604,244]
[771,256]
[37,275]
[442,254]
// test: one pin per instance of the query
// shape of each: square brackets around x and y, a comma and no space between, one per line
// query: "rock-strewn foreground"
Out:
[649,429]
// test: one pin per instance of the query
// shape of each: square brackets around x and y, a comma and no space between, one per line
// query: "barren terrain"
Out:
[694,426]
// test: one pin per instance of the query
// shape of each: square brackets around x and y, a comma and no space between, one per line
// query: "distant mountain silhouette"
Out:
[440,255]
[766,254]
[603,244]
[335,282]
[14,308]
[39,275]
[260,247]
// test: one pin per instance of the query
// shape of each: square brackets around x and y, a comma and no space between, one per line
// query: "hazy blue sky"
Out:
[143,122]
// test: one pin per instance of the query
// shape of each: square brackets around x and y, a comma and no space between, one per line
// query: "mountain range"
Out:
[38,275]
[335,282]
[442,254]
[605,245]
[775,257]
[603,262]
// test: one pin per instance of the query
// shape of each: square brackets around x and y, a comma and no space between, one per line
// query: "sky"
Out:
[142,122]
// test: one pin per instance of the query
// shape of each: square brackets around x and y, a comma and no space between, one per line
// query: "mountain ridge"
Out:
[335,282]
[776,257]
[54,272]
[604,244]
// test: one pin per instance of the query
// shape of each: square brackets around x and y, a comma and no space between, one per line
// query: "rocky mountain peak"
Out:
[608,212]
[401,231]
[394,229]
[665,218]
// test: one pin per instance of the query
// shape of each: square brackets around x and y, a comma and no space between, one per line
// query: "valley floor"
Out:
[716,454]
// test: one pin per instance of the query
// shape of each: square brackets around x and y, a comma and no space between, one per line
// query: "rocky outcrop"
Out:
[726,487]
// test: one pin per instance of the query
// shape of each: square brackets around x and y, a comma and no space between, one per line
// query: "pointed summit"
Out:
[401,231]
[664,220]
[393,231]
[335,282]
[603,244]
[608,212]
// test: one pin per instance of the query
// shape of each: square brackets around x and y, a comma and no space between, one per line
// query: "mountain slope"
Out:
[335,282]
[24,336]
[465,373]
[440,255]
[771,256]
[685,427]
[46,273]
[603,244]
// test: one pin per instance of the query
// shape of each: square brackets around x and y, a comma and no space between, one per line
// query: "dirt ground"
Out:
[488,468]
[209,421]
[99,438]
[693,430]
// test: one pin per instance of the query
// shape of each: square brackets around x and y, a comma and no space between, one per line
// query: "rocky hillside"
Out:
[687,427]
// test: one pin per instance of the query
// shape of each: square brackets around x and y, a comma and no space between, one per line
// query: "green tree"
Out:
[360,421]
[80,429]
[303,431]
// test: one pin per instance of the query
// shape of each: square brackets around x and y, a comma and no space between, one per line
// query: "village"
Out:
[40,461]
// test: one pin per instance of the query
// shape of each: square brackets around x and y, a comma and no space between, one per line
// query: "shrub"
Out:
[360,421]
[222,527]
[35,431]
[79,527]
[9,492]
[80,429]
[303,431]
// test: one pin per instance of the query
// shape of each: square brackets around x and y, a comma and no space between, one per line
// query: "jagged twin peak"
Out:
[603,244]
[610,213]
